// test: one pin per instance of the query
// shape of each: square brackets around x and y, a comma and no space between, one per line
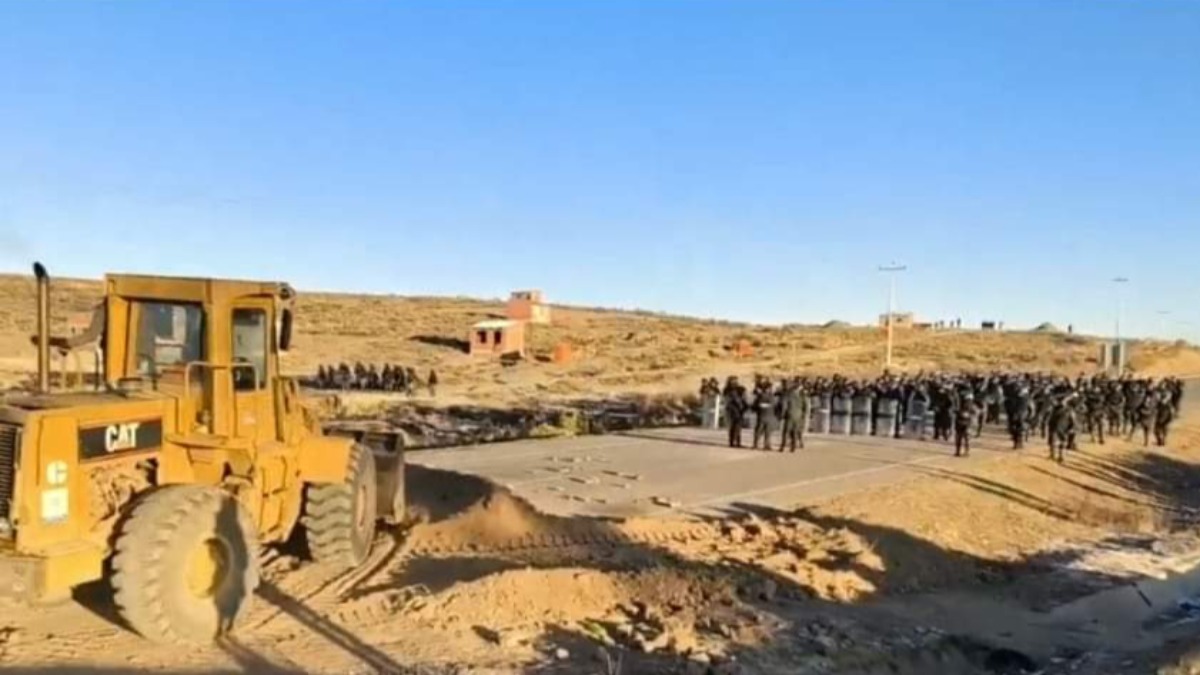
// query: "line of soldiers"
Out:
[789,403]
[1057,408]
[369,378]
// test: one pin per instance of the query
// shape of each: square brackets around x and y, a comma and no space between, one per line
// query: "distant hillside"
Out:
[617,351]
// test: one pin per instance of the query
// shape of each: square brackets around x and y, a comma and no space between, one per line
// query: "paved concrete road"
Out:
[622,474]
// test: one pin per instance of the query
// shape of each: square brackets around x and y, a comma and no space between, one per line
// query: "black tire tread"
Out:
[144,538]
[328,518]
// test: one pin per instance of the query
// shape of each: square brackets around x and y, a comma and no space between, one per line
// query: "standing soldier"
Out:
[1135,396]
[1114,405]
[1043,403]
[322,378]
[432,383]
[1016,409]
[1175,387]
[795,416]
[1144,417]
[995,393]
[964,417]
[943,413]
[985,401]
[764,414]
[735,410]
[1164,414]
[1061,432]
[1094,408]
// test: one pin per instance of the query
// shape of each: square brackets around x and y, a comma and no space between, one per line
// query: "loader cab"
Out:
[212,344]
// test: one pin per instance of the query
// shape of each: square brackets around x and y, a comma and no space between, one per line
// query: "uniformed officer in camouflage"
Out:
[1143,417]
[1062,425]
[1016,410]
[765,403]
[1164,414]
[964,418]
[795,412]
[1095,411]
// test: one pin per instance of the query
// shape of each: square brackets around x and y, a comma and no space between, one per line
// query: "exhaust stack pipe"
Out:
[43,327]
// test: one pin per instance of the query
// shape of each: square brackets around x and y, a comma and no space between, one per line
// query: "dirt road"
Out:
[692,471]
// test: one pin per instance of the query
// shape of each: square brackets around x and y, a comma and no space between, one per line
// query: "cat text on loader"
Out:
[191,453]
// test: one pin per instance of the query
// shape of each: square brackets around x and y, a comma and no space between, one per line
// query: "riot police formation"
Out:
[1054,408]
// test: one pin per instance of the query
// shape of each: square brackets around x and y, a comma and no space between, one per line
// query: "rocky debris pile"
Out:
[422,426]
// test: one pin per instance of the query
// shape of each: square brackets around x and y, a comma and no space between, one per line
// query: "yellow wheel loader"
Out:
[190,454]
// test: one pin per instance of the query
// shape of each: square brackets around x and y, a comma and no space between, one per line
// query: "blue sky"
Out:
[746,160]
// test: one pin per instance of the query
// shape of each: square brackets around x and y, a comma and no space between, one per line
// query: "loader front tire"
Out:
[186,564]
[339,518]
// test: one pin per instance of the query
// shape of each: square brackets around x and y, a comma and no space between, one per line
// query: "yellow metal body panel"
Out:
[71,567]
[51,446]
[323,459]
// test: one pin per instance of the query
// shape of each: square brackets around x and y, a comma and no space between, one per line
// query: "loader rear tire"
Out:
[186,564]
[339,518]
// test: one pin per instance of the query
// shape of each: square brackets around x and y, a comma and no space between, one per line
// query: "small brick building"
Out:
[497,337]
[528,306]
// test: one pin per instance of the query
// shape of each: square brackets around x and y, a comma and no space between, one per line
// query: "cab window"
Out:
[168,334]
[250,347]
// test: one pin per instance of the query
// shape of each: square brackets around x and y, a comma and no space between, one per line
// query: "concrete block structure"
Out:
[528,306]
[900,320]
[497,337]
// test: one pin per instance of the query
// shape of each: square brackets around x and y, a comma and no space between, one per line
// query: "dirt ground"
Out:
[953,572]
[972,570]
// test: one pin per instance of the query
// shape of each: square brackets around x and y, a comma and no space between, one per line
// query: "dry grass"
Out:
[617,351]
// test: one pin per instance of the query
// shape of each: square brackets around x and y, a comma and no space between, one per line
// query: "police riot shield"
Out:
[860,416]
[818,417]
[710,411]
[918,419]
[886,412]
[839,416]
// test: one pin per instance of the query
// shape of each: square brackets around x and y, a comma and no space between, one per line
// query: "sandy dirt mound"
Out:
[522,597]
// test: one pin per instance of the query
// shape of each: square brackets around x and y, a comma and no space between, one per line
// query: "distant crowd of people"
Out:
[361,377]
[1057,408]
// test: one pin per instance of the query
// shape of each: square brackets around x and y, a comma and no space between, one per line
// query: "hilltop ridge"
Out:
[616,351]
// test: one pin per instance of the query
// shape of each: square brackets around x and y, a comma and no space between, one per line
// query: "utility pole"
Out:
[891,271]
[1120,360]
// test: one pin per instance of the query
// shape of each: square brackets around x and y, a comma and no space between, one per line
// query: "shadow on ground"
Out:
[457,344]
[910,567]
